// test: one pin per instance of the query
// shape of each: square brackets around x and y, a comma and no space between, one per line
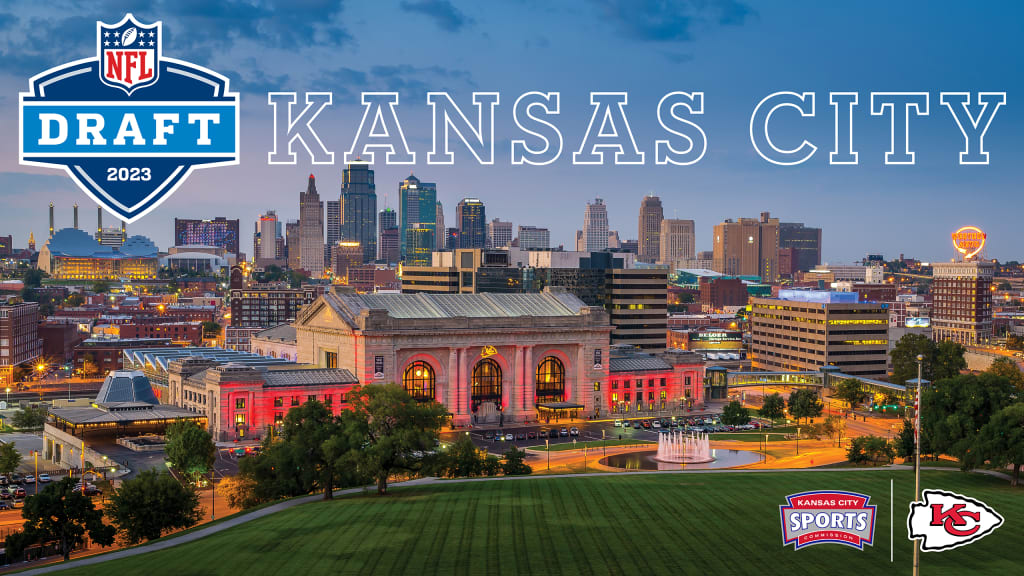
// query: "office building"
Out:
[265,247]
[359,209]
[594,236]
[389,245]
[649,230]
[499,234]
[803,244]
[19,337]
[720,292]
[344,256]
[962,301]
[267,305]
[747,247]
[873,274]
[291,231]
[471,218]
[803,330]
[638,305]
[613,240]
[677,242]
[439,228]
[332,222]
[534,238]
[419,244]
[417,206]
[311,230]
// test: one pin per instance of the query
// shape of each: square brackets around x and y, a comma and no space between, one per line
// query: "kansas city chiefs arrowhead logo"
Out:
[946,520]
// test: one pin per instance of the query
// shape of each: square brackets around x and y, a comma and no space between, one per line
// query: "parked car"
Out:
[510,437]
[6,505]
[637,425]
[44,478]
[618,423]
[30,479]
[647,424]
[563,432]
[3,480]
[656,424]
[531,435]
[19,492]
[521,436]
[16,478]
[574,431]
[489,435]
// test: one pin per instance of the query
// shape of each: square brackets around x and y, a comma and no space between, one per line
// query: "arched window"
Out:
[550,380]
[486,384]
[418,381]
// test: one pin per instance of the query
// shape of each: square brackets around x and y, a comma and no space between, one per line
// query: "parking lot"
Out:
[496,440]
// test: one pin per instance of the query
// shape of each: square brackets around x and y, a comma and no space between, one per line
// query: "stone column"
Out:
[529,383]
[451,399]
[573,395]
[465,386]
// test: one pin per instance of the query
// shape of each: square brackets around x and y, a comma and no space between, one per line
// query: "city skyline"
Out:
[921,204]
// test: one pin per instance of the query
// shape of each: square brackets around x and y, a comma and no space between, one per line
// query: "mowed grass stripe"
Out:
[627,524]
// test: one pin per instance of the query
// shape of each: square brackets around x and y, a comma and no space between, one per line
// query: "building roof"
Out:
[75,243]
[126,386]
[282,333]
[309,377]
[121,413]
[637,363]
[160,358]
[489,305]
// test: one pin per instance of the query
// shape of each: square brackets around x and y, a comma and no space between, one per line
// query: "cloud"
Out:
[671,20]
[445,15]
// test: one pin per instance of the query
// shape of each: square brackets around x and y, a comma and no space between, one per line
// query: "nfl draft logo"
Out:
[827,517]
[947,520]
[129,125]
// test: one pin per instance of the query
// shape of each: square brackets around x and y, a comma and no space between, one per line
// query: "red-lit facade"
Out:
[654,385]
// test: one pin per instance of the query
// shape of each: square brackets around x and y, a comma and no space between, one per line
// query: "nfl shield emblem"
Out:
[129,53]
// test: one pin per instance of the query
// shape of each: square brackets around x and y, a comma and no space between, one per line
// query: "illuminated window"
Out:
[330,359]
[239,403]
[418,381]
[240,418]
[486,383]
[278,402]
[597,386]
[551,380]
[278,418]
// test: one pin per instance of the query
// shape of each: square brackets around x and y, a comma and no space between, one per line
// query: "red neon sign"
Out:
[969,241]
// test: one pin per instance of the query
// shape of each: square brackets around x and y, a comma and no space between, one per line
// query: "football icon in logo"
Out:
[946,520]
[129,36]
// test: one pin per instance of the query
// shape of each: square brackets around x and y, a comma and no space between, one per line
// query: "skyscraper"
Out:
[595,226]
[748,247]
[677,241]
[471,218]
[499,233]
[417,204]
[419,243]
[389,244]
[359,209]
[291,233]
[311,230]
[265,245]
[962,301]
[649,229]
[333,221]
[534,238]
[217,232]
[805,243]
[440,230]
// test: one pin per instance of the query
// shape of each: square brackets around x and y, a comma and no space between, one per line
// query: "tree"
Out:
[515,463]
[834,426]
[239,491]
[306,430]
[954,410]
[33,278]
[60,513]
[872,449]
[74,300]
[152,503]
[29,418]
[905,440]
[1000,442]
[949,360]
[734,414]
[89,366]
[210,329]
[1007,368]
[462,459]
[804,403]
[100,287]
[190,448]
[904,358]
[394,430]
[10,458]
[849,391]
[773,407]
[1014,342]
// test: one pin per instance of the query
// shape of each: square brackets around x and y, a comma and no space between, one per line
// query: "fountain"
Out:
[681,447]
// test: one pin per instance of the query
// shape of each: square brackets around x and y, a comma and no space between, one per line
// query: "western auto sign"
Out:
[828,517]
[969,241]
[129,125]
[947,520]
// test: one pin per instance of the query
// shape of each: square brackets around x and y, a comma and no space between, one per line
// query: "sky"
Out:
[735,52]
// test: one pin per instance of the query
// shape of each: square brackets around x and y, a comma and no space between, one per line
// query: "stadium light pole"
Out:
[917,458]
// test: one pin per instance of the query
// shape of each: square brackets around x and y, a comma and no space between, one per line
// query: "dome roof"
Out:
[139,246]
[126,386]
[77,243]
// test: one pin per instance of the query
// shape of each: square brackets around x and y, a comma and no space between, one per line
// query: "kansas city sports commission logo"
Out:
[129,125]
[822,517]
[947,520]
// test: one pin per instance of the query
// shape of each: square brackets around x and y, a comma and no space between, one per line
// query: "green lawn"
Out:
[593,444]
[748,436]
[623,524]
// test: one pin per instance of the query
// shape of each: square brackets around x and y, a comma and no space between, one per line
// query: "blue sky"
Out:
[735,52]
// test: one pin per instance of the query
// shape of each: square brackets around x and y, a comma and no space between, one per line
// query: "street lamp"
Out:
[797,440]
[917,456]
[547,448]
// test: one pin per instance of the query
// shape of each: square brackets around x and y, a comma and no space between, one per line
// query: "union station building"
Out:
[493,358]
